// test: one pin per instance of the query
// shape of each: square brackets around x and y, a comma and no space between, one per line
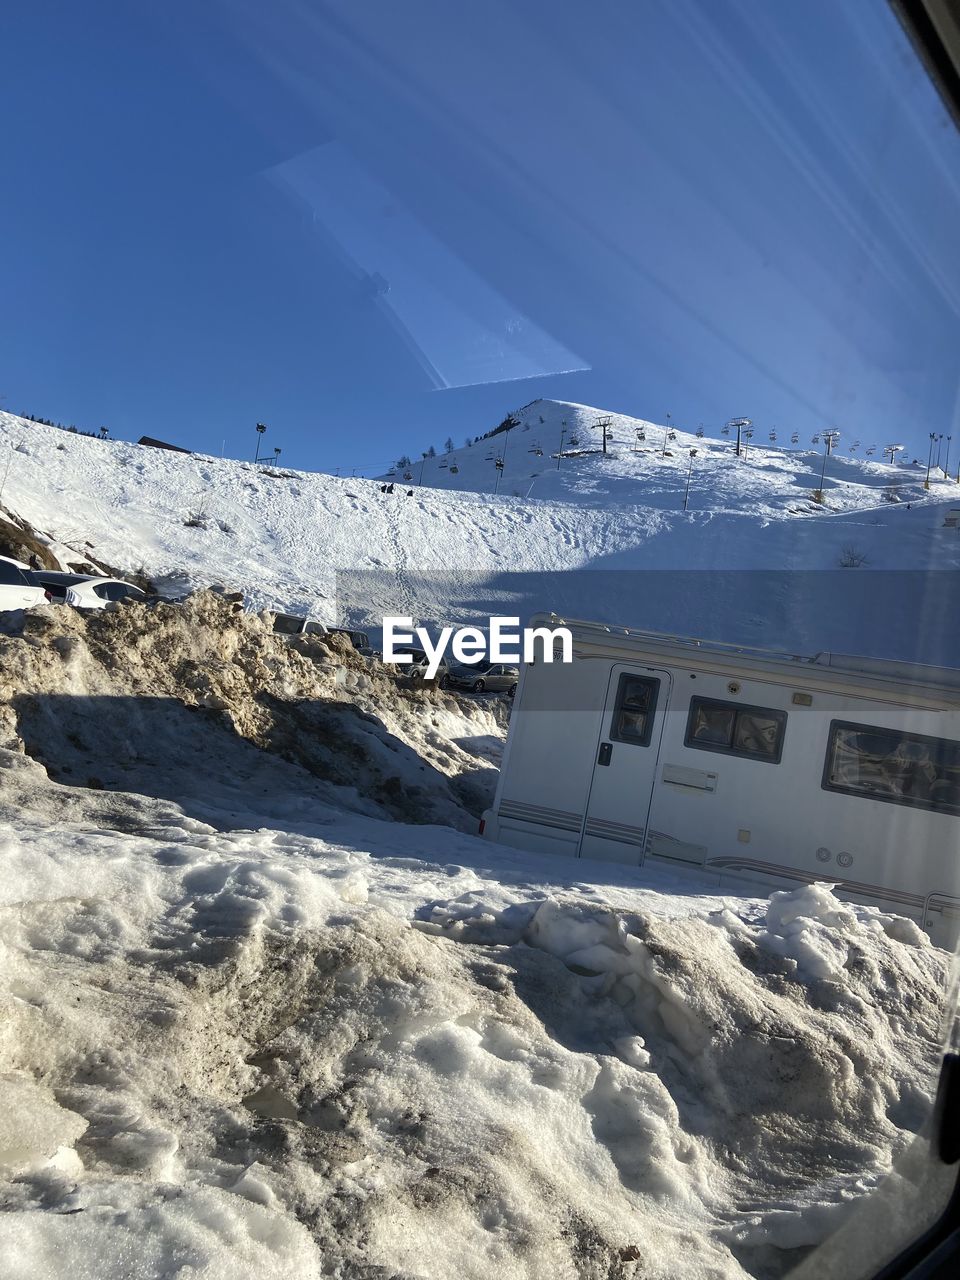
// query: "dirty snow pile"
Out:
[106,698]
[252,1028]
[252,1053]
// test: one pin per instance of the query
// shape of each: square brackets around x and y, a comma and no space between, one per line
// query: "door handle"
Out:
[606,751]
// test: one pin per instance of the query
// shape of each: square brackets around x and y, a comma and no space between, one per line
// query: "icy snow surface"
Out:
[263,1015]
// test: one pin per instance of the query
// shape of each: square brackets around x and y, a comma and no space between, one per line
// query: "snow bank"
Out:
[258,1053]
[108,699]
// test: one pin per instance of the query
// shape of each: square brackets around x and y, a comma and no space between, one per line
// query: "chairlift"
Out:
[454,470]
[773,436]
[795,438]
[671,435]
[443,465]
[488,458]
[499,464]
[408,475]
[871,450]
[816,439]
[700,433]
[725,429]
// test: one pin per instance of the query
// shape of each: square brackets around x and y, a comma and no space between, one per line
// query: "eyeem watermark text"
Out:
[505,642]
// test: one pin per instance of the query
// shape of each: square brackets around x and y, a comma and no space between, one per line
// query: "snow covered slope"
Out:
[453,554]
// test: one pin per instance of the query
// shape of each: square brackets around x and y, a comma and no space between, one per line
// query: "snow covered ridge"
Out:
[282,537]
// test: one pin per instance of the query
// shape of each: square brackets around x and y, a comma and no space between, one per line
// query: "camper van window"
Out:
[753,732]
[901,768]
[635,710]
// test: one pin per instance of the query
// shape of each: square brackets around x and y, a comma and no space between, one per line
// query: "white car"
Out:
[17,588]
[84,590]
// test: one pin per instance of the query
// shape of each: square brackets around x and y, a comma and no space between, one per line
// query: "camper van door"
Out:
[625,764]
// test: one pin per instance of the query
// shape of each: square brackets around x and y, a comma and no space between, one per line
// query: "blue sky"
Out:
[373,225]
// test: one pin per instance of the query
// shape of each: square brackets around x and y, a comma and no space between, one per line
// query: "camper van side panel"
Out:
[774,819]
[548,759]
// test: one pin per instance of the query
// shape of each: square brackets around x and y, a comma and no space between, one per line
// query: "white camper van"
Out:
[742,764]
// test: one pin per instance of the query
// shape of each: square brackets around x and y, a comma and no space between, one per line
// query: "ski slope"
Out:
[649,462]
[600,537]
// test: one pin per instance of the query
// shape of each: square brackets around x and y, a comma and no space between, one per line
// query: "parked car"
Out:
[417,668]
[18,590]
[84,590]
[486,677]
[292,624]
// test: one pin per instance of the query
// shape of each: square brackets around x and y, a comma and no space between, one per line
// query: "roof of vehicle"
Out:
[72,579]
[875,673]
[63,579]
[18,563]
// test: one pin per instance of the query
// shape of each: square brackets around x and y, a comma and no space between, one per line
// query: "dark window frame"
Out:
[904,735]
[654,683]
[15,576]
[738,708]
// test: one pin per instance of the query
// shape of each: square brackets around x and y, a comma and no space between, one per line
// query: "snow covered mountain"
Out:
[649,463]
[448,549]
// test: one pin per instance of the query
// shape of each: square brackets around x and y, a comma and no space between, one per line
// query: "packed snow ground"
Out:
[252,1027]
